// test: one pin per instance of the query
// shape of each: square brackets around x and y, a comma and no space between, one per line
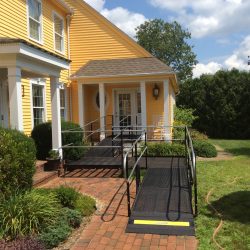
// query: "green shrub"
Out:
[55,234]
[17,161]
[73,217]
[42,135]
[166,149]
[204,149]
[67,196]
[85,205]
[196,135]
[28,213]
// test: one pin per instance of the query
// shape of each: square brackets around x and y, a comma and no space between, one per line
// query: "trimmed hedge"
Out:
[17,162]
[166,149]
[203,148]
[42,135]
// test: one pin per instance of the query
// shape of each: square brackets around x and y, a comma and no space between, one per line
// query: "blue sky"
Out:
[220,28]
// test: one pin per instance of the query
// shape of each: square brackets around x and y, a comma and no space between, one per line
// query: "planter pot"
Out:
[52,164]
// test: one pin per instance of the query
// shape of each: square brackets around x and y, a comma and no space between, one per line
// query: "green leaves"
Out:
[221,102]
[17,161]
[168,42]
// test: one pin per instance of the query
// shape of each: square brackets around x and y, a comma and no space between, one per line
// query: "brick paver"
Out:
[106,229]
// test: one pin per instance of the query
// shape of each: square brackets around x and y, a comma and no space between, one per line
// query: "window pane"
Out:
[34,29]
[35,9]
[38,104]
[58,25]
[59,42]
[62,98]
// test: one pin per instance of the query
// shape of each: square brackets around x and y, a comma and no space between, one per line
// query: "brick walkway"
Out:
[106,229]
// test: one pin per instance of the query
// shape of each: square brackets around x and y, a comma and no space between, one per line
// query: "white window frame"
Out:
[62,87]
[40,82]
[40,41]
[55,14]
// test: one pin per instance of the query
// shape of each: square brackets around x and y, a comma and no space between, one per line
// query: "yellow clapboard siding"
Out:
[14,23]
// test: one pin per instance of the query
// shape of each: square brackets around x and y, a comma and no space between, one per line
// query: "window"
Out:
[38,104]
[63,104]
[35,12]
[58,33]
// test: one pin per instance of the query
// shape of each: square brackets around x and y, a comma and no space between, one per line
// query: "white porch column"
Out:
[102,110]
[81,104]
[56,113]
[166,117]
[15,98]
[143,104]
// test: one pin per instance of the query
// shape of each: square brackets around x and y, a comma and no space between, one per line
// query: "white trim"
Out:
[15,98]
[40,41]
[56,114]
[143,104]
[34,53]
[81,104]
[62,87]
[54,13]
[102,109]
[41,82]
[123,75]
[166,108]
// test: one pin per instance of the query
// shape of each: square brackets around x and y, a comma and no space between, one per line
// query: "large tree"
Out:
[168,42]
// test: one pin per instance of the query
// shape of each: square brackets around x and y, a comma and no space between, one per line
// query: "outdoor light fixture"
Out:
[156,91]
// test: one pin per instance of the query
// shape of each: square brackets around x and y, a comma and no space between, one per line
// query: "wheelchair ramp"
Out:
[163,203]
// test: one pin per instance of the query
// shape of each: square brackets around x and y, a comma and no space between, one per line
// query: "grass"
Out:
[229,182]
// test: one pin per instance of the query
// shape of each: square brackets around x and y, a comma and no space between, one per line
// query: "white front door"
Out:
[126,108]
[4,109]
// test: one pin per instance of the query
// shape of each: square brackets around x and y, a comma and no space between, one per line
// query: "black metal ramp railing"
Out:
[166,198]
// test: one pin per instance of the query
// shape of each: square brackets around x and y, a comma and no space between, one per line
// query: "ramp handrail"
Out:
[191,161]
[136,167]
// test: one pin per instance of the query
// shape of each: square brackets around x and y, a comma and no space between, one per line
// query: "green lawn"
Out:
[230,184]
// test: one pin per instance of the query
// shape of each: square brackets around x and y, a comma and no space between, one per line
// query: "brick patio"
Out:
[106,229]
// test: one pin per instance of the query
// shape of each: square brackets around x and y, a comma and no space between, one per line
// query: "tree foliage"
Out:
[221,102]
[168,42]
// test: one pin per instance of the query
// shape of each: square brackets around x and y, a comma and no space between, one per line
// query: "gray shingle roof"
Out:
[123,67]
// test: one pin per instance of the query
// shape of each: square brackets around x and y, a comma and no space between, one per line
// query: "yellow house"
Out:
[62,59]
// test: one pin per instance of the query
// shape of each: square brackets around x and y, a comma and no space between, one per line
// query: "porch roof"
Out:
[8,40]
[123,67]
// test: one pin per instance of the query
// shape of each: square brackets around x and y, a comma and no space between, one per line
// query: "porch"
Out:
[135,93]
[20,62]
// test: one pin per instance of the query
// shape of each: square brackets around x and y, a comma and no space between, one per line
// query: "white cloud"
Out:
[96,4]
[124,19]
[237,60]
[209,17]
[210,68]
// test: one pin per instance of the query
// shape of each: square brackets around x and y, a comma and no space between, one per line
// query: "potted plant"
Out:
[53,161]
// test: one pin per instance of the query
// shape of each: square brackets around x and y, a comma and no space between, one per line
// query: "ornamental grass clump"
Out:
[27,214]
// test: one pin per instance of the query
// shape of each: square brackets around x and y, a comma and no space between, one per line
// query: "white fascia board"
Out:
[40,55]
[122,75]
[33,53]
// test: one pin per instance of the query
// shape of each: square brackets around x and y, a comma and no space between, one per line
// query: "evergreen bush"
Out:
[17,162]
[42,135]
[204,149]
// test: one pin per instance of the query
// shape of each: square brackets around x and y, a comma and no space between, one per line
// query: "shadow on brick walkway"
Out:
[106,229]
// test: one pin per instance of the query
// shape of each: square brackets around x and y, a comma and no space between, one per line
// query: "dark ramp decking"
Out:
[163,196]
[99,157]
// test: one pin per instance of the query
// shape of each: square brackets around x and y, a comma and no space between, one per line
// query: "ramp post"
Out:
[128,190]
[138,177]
